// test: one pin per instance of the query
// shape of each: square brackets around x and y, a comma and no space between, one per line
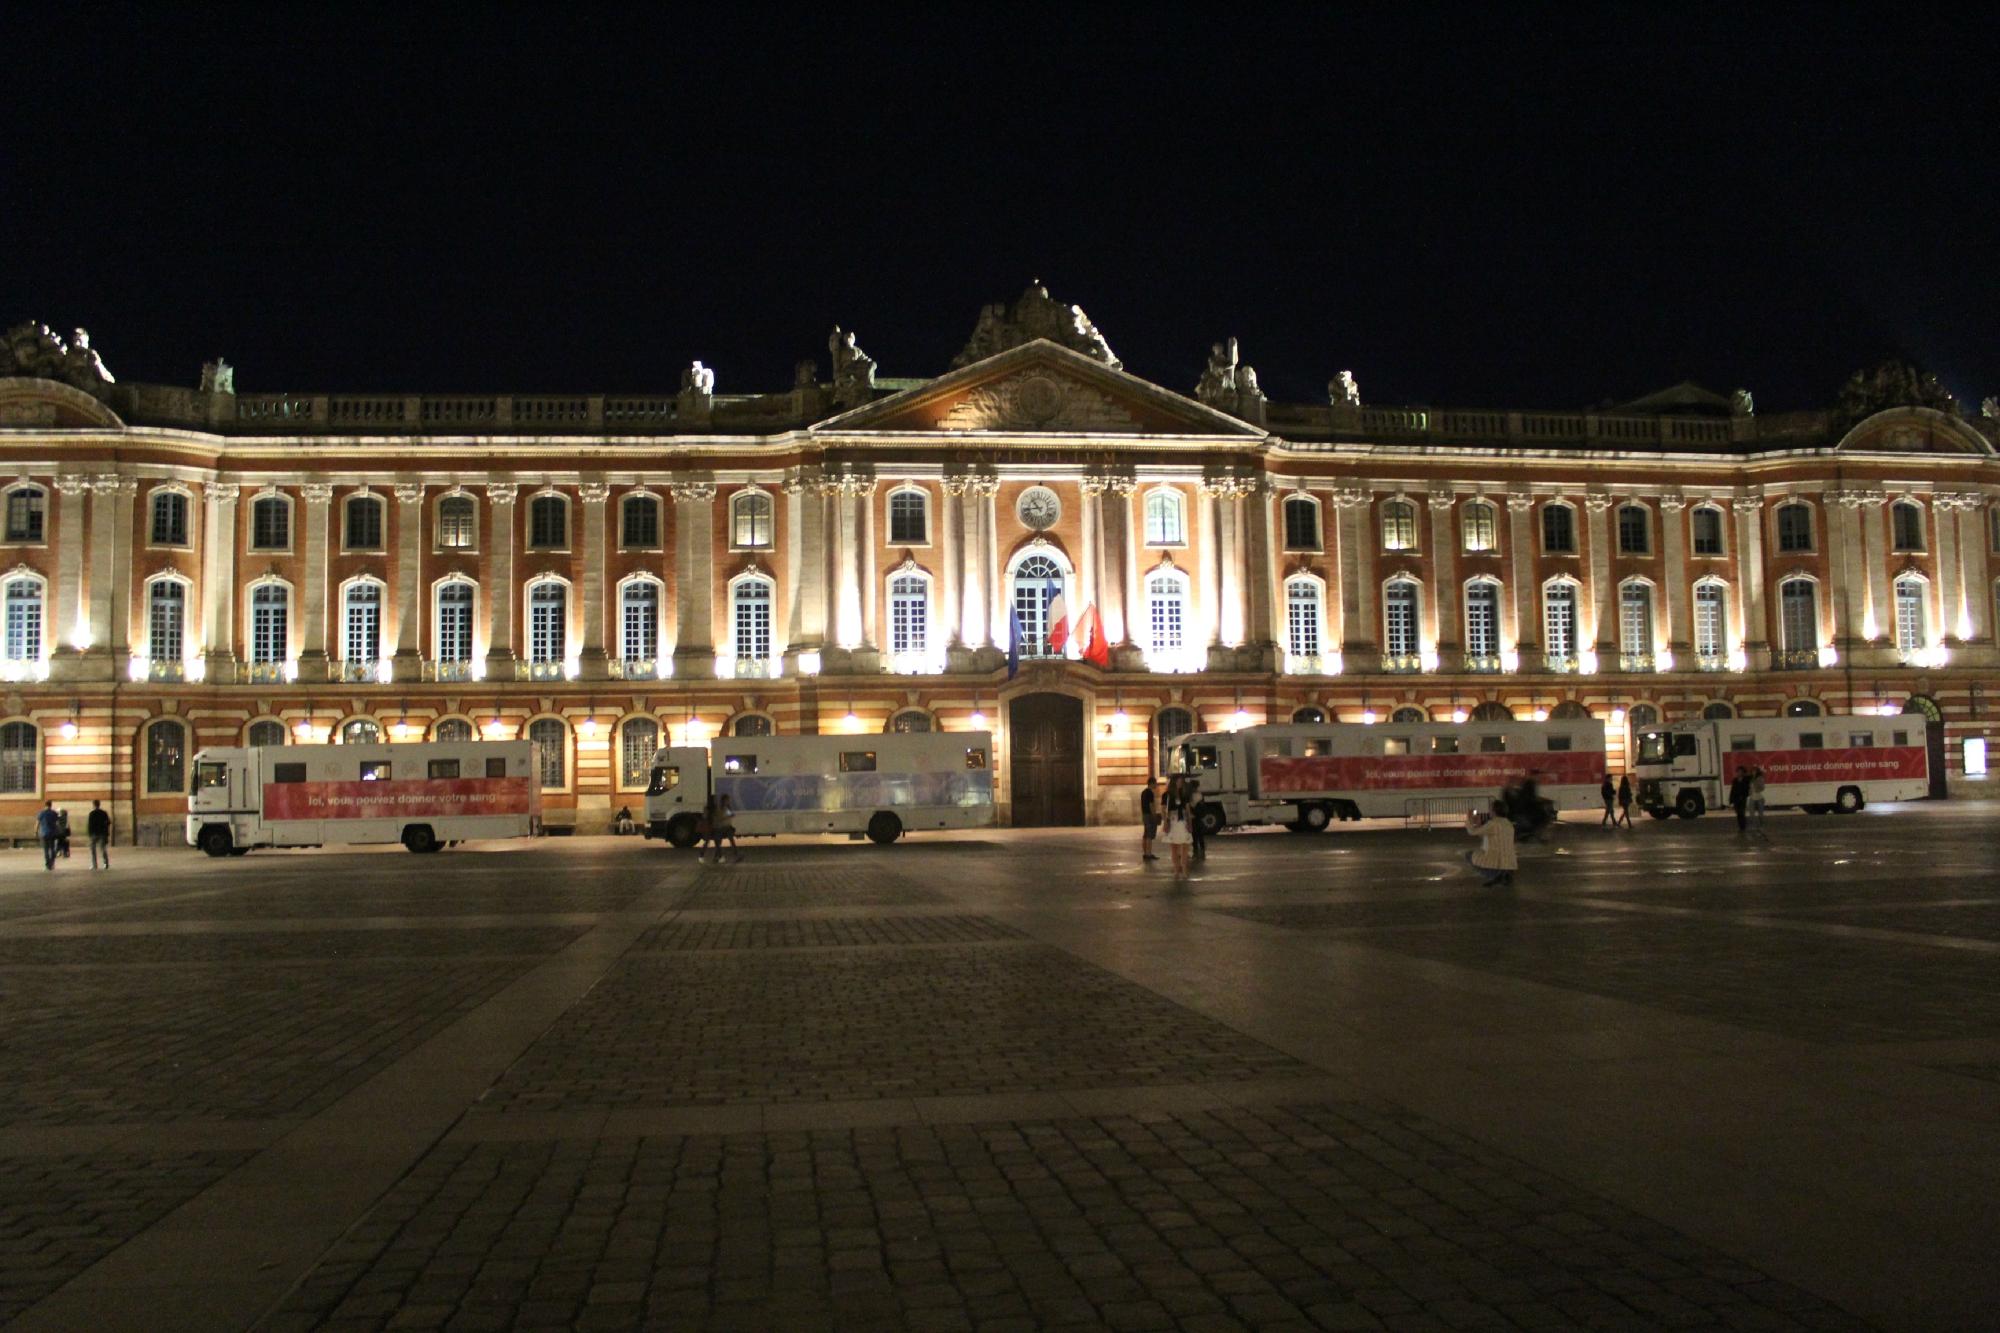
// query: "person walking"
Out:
[1149,819]
[1494,857]
[98,826]
[1610,795]
[705,829]
[1739,797]
[1191,797]
[1757,797]
[725,827]
[47,828]
[62,834]
[1180,833]
[1624,801]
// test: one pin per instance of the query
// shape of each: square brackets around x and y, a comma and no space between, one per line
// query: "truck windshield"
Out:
[210,775]
[666,777]
[1655,747]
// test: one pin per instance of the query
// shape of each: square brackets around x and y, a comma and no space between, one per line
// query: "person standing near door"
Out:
[98,826]
[1149,819]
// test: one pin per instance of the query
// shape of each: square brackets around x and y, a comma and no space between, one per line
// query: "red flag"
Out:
[1095,649]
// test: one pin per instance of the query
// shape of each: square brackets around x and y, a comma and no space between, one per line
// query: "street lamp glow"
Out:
[1367,717]
[978,720]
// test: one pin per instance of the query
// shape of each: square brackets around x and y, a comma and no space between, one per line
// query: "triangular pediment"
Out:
[1037,388]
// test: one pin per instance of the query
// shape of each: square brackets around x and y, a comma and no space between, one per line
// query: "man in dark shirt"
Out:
[99,828]
[1149,819]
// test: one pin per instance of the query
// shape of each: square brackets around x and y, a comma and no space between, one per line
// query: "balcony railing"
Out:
[358,672]
[1795,659]
[158,669]
[1711,661]
[442,669]
[1637,662]
[1482,663]
[635,668]
[1402,664]
[1563,664]
[544,670]
[754,668]
[1311,664]
[266,673]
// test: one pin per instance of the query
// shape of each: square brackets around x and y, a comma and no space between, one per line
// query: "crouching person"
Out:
[1493,858]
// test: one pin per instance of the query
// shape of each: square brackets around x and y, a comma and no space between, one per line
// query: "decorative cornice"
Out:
[502,493]
[691,492]
[1674,503]
[409,492]
[594,492]
[317,493]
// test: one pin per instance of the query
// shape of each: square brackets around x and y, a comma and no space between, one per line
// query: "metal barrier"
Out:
[1428,812]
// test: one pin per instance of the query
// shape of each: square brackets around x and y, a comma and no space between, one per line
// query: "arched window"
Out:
[1399,525]
[1711,617]
[457,519]
[1906,525]
[1301,523]
[270,523]
[361,625]
[360,731]
[1559,624]
[548,622]
[170,518]
[1169,725]
[1803,708]
[1635,626]
[166,758]
[364,523]
[453,729]
[1401,601]
[753,724]
[1308,716]
[1166,518]
[750,521]
[20,758]
[1479,528]
[1912,624]
[750,615]
[1635,530]
[638,742]
[166,620]
[639,626]
[1707,521]
[1036,579]
[1166,610]
[24,620]
[550,739]
[266,733]
[1559,528]
[1569,710]
[1717,711]
[1492,710]
[909,517]
[1409,714]
[909,613]
[639,523]
[1795,527]
[910,720]
[1482,625]
[454,621]
[270,624]
[1305,617]
[1642,715]
[548,522]
[1798,618]
[26,506]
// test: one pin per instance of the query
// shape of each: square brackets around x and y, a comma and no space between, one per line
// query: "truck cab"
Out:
[1678,770]
[676,791]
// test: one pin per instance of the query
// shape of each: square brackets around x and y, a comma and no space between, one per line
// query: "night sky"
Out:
[1526,207]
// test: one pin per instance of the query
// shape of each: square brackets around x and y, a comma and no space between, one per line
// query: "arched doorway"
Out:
[1922,705]
[1045,760]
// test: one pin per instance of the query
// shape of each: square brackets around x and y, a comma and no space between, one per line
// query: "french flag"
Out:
[1058,618]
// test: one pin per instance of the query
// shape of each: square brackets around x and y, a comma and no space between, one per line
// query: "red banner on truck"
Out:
[1881,763]
[1313,775]
[435,799]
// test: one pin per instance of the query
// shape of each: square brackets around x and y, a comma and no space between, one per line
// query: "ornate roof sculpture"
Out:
[1034,315]
[1894,383]
[34,350]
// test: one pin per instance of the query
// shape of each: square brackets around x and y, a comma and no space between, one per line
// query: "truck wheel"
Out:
[1690,805]
[1211,819]
[419,838]
[884,828]
[215,840]
[681,831]
[1312,819]
[1848,801]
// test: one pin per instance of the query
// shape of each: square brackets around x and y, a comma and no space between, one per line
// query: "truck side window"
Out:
[1395,745]
[1900,737]
[1492,745]
[211,775]
[857,761]
[444,768]
[1683,744]
[1204,756]
[374,770]
[1558,742]
[1862,740]
[665,778]
[1742,742]
[1444,745]
[288,772]
[1318,745]
[1811,740]
[739,763]
[975,757]
[496,768]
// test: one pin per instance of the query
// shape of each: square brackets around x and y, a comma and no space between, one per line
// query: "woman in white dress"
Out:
[1179,830]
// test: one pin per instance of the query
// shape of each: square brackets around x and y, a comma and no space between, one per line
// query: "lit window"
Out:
[1912,628]
[548,622]
[1478,525]
[639,741]
[1166,519]
[270,623]
[1303,617]
[454,621]
[166,620]
[751,616]
[1166,600]
[361,644]
[166,758]
[1559,621]
[639,621]
[455,518]
[1798,615]
[24,620]
[1711,610]
[909,613]
[1169,725]
[1635,620]
[170,518]
[750,520]
[1482,619]
[909,512]
[1399,526]
[1036,580]
[1399,615]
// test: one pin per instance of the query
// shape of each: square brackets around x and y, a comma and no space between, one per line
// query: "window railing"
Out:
[1711,661]
[1307,664]
[1482,663]
[166,670]
[754,668]
[1795,659]
[357,672]
[1563,664]
[545,670]
[266,673]
[445,669]
[635,668]
[1402,663]
[1637,662]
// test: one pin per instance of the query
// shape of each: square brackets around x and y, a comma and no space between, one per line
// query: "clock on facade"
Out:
[1039,508]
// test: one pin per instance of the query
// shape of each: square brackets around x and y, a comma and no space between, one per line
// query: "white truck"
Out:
[881,785]
[1817,763]
[423,795]
[1305,776]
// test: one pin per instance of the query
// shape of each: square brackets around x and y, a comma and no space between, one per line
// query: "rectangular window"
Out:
[170,519]
[211,775]
[752,619]
[364,623]
[1492,745]
[1478,526]
[1400,617]
[909,614]
[908,511]
[1399,526]
[857,761]
[1812,740]
[739,763]
[1742,742]
[1444,745]
[1302,617]
[443,768]
[975,757]
[1559,620]
[1900,737]
[639,626]
[1794,528]
[288,773]
[1395,745]
[1558,742]
[1164,525]
[270,525]
[642,523]
[1301,525]
[24,516]
[24,620]
[1482,620]
[1708,621]
[167,621]
[454,622]
[548,623]
[1861,740]
[1559,529]
[496,768]
[454,522]
[1635,620]
[374,770]
[364,524]
[1634,537]
[751,521]
[1167,608]
[1708,532]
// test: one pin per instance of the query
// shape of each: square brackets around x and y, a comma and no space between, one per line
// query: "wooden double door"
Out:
[1045,759]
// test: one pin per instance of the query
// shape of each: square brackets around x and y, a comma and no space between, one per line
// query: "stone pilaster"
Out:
[1756,634]
[1600,588]
[1674,578]
[408,661]
[1975,542]
[314,662]
[1874,518]
[1951,587]
[1448,603]
[1359,635]
[218,584]
[69,621]
[502,596]
[1261,561]
[1524,593]
[806,563]
[694,576]
[593,663]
